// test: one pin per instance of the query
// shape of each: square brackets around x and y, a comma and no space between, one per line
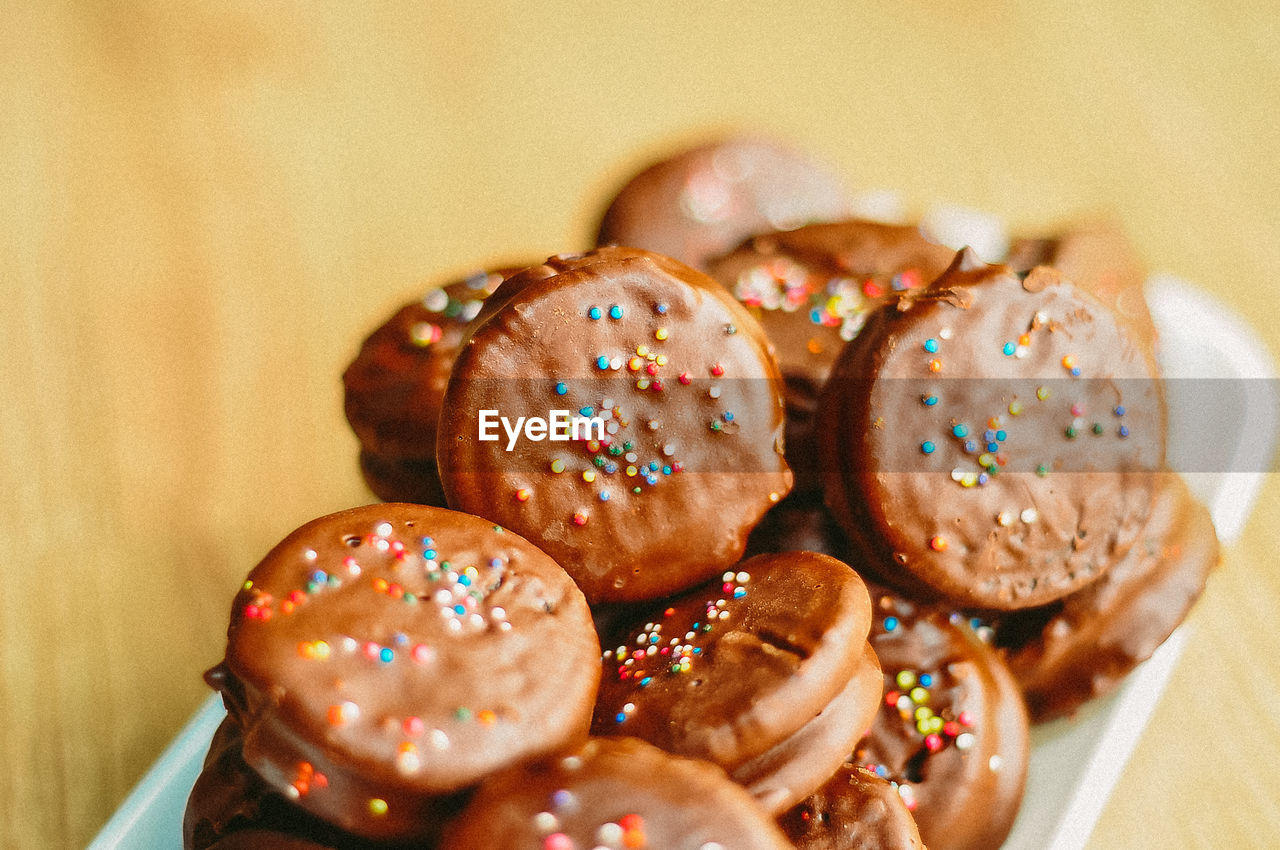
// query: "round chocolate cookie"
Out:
[613,794]
[767,674]
[380,657]
[394,387]
[703,201]
[623,412]
[952,730]
[1098,257]
[1083,646]
[992,440]
[811,289]
[853,810]
[231,806]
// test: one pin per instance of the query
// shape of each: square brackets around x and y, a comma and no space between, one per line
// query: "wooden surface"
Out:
[207,206]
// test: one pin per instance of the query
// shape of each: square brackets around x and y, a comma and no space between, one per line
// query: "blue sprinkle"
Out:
[926,680]
[993,447]
[666,470]
[602,362]
[610,468]
[653,465]
[427,541]
[960,430]
[815,316]
[897,283]
[604,495]
[619,717]
[465,581]
[739,592]
[495,562]
[594,314]
[988,435]
[386,654]
[882,771]
[930,401]
[587,411]
[927,447]
[1124,430]
[1001,436]
[983,478]
[401,638]
[661,308]
[1008,349]
[1119,410]
[459,609]
[890,623]
[970,446]
[653,638]
[319,576]
[562,388]
[1075,371]
[697,650]
[646,680]
[429,554]
[615,312]
[728,416]
[931,346]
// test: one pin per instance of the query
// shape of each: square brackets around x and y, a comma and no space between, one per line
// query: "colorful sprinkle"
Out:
[615,312]
[927,447]
[594,314]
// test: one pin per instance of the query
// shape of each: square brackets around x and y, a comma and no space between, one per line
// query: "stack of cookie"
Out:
[761,531]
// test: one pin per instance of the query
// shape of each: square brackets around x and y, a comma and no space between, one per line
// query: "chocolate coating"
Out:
[394,387]
[1098,257]
[853,810]
[682,379]
[811,289]
[952,730]
[1085,644]
[782,775]
[703,201]
[230,806]
[380,657]
[738,668]
[614,793]
[992,441]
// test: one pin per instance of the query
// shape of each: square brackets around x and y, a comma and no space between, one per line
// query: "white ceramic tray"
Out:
[1074,763]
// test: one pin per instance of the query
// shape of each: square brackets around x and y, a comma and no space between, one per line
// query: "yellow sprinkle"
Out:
[1042,393]
[1015,408]
[589,475]
[919,695]
[906,679]
[378,806]
[660,333]
[661,360]
[642,349]
[557,465]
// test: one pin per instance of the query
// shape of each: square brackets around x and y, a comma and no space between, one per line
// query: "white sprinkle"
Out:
[728,576]
[946,333]
[439,739]
[615,364]
[995,763]
[349,644]
[436,300]
[498,613]
[383,529]
[607,404]
[1005,518]
[964,740]
[309,554]
[742,577]
[571,763]
[631,457]
[669,449]
[545,822]
[1030,515]
[714,392]
[609,833]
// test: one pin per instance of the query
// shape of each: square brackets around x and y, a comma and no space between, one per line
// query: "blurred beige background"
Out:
[207,206]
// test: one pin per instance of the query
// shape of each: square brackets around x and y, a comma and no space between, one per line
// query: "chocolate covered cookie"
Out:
[853,810]
[703,201]
[623,412]
[231,806]
[992,439]
[1098,257]
[1084,645]
[381,657]
[799,523]
[394,387]
[767,674]
[610,795]
[811,289]
[952,730]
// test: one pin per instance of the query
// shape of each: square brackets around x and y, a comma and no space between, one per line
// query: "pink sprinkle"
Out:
[557,841]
